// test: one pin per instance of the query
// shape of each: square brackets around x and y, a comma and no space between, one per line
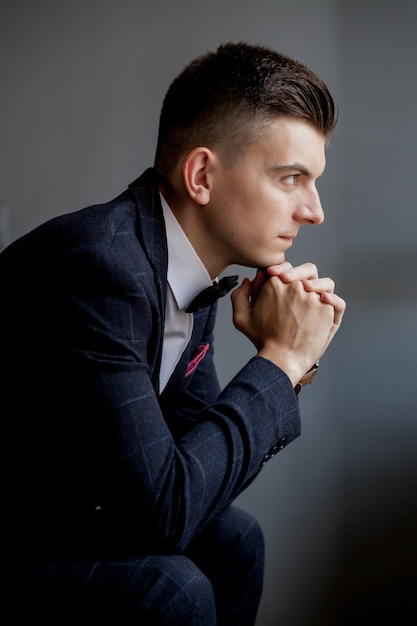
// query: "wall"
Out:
[377,390]
[82,83]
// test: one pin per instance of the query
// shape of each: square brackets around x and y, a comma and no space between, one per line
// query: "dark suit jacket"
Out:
[93,455]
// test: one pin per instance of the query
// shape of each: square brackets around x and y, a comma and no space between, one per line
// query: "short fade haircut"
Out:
[224,99]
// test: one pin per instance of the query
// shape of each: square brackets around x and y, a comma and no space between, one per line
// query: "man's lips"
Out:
[287,238]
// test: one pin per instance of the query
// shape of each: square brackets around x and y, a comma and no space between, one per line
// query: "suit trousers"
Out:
[217,581]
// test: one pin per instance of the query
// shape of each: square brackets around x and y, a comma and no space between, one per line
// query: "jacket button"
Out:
[282,443]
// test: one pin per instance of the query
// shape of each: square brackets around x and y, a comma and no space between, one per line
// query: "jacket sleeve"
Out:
[174,487]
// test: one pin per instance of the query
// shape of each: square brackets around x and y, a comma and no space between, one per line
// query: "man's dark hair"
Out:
[224,99]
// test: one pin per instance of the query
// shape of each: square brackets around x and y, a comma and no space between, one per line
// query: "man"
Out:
[121,455]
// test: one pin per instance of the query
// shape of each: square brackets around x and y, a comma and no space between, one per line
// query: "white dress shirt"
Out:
[187,276]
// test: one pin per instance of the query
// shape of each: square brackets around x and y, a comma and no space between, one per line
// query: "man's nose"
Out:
[311,211]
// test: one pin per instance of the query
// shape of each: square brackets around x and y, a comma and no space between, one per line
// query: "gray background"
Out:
[81,87]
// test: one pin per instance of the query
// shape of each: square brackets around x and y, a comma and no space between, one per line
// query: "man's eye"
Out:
[292,179]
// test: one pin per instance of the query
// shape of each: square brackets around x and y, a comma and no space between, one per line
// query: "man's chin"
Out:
[265,262]
[277,259]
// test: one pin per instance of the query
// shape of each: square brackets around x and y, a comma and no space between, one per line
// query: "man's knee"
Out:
[176,592]
[239,538]
[230,551]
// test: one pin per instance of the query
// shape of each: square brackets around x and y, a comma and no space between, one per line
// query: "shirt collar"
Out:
[187,275]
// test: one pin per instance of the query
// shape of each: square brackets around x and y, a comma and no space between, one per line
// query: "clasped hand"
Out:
[289,314]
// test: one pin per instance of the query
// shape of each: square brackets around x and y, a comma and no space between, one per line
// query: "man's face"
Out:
[258,204]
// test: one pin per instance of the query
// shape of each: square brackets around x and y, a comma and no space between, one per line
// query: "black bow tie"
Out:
[209,295]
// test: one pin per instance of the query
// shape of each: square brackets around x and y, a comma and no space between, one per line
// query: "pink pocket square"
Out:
[201,353]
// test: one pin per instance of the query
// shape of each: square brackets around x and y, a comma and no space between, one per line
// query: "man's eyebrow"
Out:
[299,167]
[291,167]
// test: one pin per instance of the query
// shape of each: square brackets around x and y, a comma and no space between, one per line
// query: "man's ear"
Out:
[196,170]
